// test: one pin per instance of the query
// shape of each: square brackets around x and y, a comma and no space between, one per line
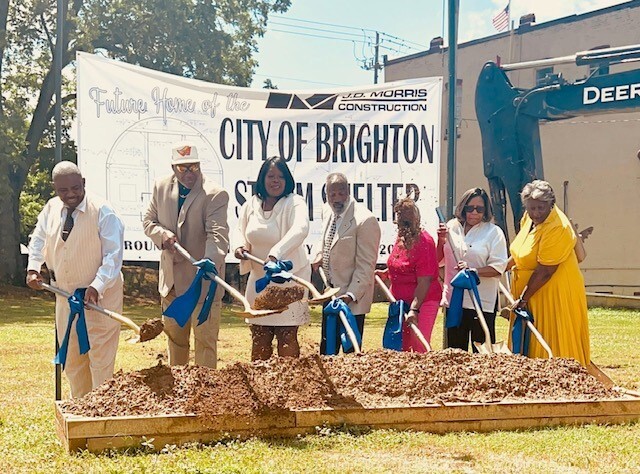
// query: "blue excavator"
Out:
[509,116]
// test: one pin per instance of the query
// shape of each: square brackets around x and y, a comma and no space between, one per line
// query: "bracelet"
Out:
[414,309]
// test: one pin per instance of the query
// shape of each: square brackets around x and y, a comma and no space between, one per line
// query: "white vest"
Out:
[76,261]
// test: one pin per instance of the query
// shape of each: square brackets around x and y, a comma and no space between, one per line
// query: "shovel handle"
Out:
[530,325]
[232,291]
[412,326]
[343,317]
[297,279]
[112,314]
[482,320]
[385,289]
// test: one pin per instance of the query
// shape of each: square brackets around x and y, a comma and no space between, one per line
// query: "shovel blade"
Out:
[324,297]
[256,313]
[488,348]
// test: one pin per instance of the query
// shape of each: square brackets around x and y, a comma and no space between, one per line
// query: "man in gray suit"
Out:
[348,250]
[188,209]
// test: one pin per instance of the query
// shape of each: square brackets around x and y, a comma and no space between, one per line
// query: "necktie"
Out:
[328,240]
[68,225]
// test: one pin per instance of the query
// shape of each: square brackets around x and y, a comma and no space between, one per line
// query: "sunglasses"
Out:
[470,209]
[184,168]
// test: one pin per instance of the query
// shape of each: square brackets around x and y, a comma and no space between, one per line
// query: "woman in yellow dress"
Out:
[546,277]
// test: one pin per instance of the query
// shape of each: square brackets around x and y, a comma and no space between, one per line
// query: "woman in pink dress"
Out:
[412,269]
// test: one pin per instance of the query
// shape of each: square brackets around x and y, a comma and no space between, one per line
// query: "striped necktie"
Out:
[328,240]
[67,227]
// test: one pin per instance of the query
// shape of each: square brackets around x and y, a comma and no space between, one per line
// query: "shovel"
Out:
[413,327]
[592,368]
[112,314]
[248,311]
[530,325]
[343,317]
[486,347]
[317,297]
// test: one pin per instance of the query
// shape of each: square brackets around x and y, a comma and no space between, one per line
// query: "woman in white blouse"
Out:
[273,225]
[480,246]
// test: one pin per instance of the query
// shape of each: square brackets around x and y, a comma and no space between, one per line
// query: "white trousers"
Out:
[86,372]
[205,335]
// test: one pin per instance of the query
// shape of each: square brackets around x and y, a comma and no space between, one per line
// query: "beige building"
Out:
[592,162]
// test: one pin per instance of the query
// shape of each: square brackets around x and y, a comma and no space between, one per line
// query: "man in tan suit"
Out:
[80,237]
[188,209]
[348,250]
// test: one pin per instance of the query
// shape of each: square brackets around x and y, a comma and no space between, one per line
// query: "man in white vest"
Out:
[189,209]
[80,238]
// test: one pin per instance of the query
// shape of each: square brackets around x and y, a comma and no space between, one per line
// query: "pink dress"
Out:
[404,268]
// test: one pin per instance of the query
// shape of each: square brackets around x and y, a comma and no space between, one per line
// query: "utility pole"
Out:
[451,127]
[59,51]
[375,62]
[376,65]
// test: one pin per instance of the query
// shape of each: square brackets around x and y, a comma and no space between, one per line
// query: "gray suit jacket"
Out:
[354,253]
[200,227]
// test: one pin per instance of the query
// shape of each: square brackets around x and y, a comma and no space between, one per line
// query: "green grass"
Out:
[28,442]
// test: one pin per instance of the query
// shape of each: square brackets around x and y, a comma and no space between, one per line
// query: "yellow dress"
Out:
[559,307]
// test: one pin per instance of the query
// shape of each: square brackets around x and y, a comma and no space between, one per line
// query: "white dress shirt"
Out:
[484,245]
[339,220]
[111,231]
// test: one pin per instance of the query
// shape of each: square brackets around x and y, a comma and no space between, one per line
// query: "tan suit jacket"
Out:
[354,253]
[200,227]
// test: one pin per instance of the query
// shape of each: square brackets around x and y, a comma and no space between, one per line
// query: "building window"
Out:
[542,73]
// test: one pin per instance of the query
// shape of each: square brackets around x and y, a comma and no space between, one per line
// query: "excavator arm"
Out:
[509,117]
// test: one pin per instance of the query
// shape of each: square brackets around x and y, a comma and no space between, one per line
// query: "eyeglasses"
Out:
[184,168]
[478,209]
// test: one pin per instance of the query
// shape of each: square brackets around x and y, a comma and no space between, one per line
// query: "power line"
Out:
[335,25]
[268,76]
[321,36]
[328,24]
[315,29]
[366,41]
[402,46]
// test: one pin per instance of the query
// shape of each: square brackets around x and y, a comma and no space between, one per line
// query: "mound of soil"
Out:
[374,379]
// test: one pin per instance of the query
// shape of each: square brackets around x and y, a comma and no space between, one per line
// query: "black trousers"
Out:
[323,340]
[458,338]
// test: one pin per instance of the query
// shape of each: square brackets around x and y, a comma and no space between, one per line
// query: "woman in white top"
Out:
[480,246]
[273,225]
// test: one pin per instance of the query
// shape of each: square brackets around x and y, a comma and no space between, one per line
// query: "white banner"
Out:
[384,138]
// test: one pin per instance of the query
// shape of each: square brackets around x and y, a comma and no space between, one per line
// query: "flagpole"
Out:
[510,34]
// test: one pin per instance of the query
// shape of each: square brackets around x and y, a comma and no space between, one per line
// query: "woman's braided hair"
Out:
[408,221]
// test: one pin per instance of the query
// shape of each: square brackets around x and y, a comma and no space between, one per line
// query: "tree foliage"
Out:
[205,39]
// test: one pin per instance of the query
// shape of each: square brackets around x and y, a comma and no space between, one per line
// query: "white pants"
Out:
[206,335]
[87,371]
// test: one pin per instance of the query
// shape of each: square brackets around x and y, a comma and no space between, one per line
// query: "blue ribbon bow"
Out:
[520,333]
[76,306]
[181,308]
[277,272]
[392,336]
[464,280]
[333,323]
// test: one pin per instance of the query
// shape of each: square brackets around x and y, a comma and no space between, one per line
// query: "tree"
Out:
[205,39]
[267,84]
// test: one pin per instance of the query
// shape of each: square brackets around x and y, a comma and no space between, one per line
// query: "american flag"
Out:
[501,20]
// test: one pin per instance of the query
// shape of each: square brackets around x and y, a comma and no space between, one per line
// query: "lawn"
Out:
[28,442]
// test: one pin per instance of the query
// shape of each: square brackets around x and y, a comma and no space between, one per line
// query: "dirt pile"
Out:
[374,379]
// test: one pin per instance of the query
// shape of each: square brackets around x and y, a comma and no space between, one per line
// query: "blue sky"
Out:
[297,60]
